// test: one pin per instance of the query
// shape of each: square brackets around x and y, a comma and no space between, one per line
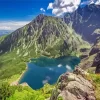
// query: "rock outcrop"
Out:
[96,47]
[92,61]
[85,53]
[97,63]
[73,86]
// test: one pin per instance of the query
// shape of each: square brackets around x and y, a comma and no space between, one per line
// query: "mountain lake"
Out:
[47,70]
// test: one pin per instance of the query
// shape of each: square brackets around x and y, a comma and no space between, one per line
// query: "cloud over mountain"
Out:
[59,7]
[87,2]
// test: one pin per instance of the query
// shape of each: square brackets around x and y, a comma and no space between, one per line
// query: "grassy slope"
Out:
[14,60]
[96,83]
[24,93]
[41,94]
[2,38]
[51,37]
[13,63]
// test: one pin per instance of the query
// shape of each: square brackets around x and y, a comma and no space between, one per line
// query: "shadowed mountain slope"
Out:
[85,21]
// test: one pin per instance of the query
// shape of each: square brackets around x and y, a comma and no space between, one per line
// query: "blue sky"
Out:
[22,9]
[17,13]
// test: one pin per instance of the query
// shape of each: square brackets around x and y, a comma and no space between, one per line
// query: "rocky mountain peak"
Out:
[39,18]
[89,8]
[98,40]
[93,7]
[48,36]
[85,21]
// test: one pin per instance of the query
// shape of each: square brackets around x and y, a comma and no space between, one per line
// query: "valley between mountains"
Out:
[44,36]
[53,37]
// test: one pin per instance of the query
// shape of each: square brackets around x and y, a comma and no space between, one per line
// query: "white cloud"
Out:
[12,25]
[59,7]
[68,68]
[97,2]
[50,6]
[5,28]
[60,65]
[46,80]
[42,9]
[51,69]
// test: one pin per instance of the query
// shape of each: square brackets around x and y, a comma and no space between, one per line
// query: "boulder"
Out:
[74,86]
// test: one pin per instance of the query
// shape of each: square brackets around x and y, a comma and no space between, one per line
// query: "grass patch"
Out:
[96,83]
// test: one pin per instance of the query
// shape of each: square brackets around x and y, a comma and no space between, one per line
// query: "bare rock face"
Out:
[96,47]
[85,53]
[74,86]
[97,63]
[92,62]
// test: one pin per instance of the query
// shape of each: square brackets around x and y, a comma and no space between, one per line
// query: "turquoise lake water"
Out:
[47,70]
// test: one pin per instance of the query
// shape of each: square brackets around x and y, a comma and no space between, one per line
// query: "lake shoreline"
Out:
[16,82]
[45,70]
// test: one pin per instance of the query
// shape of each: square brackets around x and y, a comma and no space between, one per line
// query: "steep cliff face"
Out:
[93,59]
[45,35]
[95,47]
[96,50]
[85,21]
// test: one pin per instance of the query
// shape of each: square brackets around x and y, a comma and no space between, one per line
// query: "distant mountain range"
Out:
[85,21]
[3,32]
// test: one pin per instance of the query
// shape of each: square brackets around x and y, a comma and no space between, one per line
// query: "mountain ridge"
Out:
[44,30]
[32,40]
[85,21]
[44,36]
